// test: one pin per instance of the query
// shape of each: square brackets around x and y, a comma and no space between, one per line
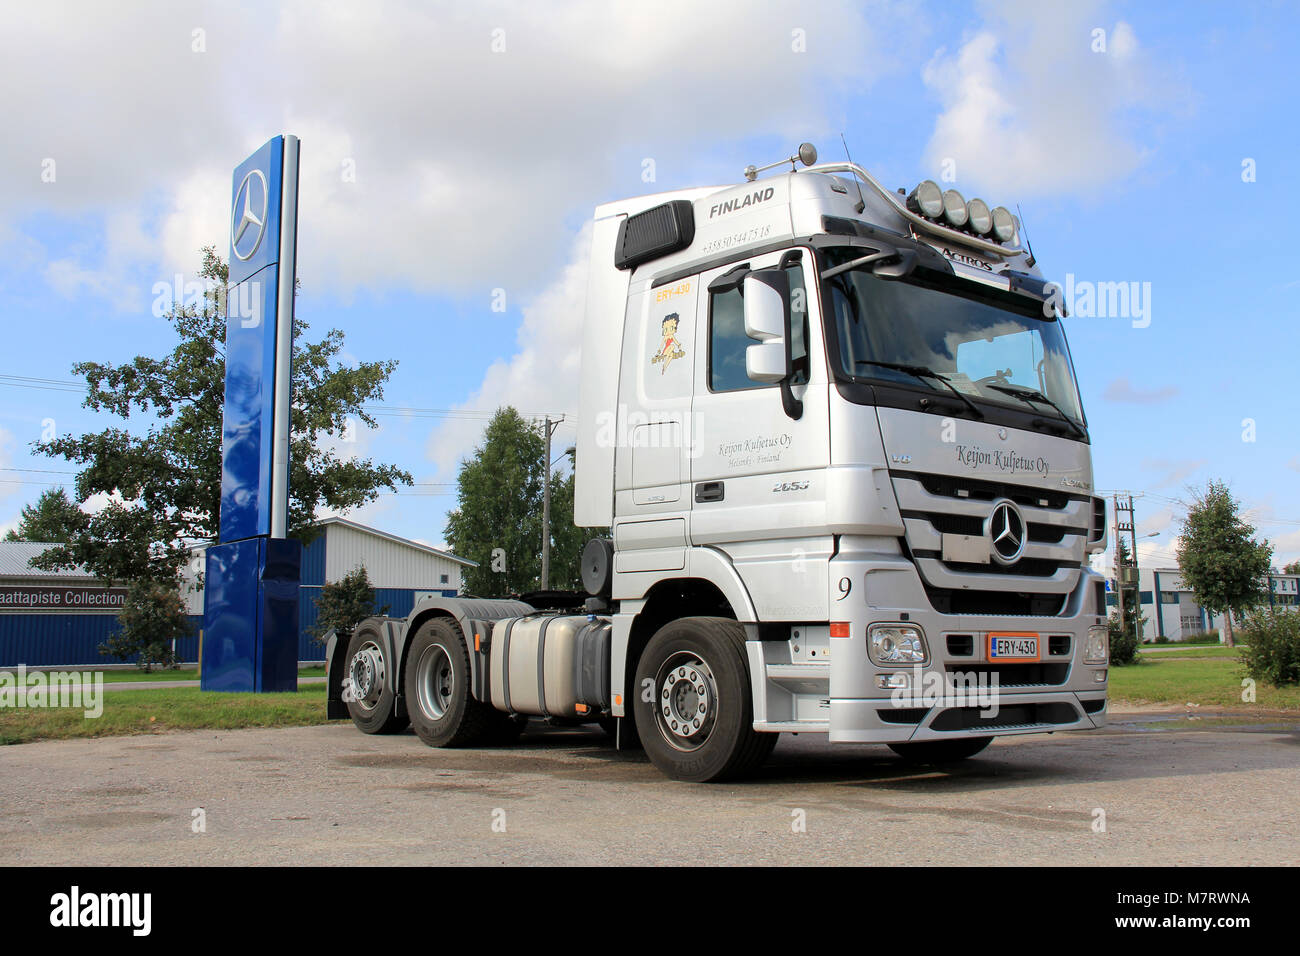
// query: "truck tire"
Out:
[698,723]
[941,751]
[372,696]
[437,685]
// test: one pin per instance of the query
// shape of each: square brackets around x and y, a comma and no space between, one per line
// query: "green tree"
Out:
[1292,568]
[1219,557]
[344,604]
[54,519]
[567,539]
[498,518]
[154,615]
[164,480]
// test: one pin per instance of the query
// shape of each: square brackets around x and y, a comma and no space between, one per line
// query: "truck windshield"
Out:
[988,345]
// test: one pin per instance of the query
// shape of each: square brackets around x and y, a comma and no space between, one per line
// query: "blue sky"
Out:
[481,139]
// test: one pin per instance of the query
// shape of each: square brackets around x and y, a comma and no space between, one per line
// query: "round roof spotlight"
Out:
[954,209]
[927,199]
[1004,227]
[808,154]
[981,220]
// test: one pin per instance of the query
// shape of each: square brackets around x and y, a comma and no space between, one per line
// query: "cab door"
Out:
[652,492]
[756,473]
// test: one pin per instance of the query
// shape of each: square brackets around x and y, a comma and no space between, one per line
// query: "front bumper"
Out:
[878,721]
[1062,693]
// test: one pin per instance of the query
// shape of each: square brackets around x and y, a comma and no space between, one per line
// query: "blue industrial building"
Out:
[60,619]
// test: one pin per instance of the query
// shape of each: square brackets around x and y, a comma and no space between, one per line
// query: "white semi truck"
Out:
[836,434]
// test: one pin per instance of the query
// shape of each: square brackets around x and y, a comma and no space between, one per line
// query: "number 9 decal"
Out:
[845,587]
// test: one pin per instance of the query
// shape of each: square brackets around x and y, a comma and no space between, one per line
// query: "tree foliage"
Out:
[1273,651]
[154,615]
[1219,558]
[162,479]
[344,604]
[1292,568]
[498,519]
[53,519]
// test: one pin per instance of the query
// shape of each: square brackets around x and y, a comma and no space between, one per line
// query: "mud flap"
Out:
[336,666]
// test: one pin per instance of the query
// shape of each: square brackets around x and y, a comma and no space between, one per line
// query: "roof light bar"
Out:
[919,220]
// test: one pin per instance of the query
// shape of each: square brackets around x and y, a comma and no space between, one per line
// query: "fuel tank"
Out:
[553,665]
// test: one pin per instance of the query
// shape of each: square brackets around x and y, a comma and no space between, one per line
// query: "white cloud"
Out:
[1122,390]
[1173,471]
[544,372]
[1028,107]
[466,161]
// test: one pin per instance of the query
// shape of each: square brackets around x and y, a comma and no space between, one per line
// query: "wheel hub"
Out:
[366,671]
[435,682]
[687,701]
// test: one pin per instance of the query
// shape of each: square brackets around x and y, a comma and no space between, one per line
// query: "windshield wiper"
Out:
[1028,395]
[920,371]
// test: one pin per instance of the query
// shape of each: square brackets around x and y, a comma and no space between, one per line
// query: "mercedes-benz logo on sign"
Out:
[248,216]
[1005,528]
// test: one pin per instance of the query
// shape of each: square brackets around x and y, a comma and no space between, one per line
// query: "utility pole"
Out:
[1123,505]
[546,503]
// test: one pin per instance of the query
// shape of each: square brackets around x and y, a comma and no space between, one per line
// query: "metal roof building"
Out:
[60,618]
[400,570]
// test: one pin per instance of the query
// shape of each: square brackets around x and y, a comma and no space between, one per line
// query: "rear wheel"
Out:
[941,751]
[371,695]
[442,711]
[693,703]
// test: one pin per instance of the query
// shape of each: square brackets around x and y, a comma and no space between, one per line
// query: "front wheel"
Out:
[941,751]
[693,703]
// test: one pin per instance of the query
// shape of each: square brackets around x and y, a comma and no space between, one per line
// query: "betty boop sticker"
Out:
[671,347]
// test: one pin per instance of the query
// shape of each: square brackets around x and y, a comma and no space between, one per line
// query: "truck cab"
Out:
[854,429]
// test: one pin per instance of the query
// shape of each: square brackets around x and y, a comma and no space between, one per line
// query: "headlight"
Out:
[981,220]
[954,209]
[890,644]
[927,199]
[1097,648]
[1004,227]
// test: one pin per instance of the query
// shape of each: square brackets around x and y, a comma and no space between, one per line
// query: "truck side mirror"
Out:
[767,319]
[766,296]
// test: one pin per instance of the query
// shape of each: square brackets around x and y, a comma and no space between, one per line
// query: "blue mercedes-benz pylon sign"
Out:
[250,614]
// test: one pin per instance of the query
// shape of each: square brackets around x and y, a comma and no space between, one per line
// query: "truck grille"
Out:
[1057,528]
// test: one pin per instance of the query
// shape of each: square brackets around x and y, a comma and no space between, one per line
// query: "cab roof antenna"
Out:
[862,203]
[1028,245]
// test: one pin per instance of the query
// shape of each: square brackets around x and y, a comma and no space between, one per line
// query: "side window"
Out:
[728,341]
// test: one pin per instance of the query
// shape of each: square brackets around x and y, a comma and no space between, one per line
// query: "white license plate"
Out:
[1014,647]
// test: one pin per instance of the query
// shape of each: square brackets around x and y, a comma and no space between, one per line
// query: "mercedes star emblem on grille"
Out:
[1005,528]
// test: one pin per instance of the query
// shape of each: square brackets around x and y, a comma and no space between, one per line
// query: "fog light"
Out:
[1004,227]
[893,681]
[1096,650]
[927,199]
[889,644]
[981,220]
[954,209]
